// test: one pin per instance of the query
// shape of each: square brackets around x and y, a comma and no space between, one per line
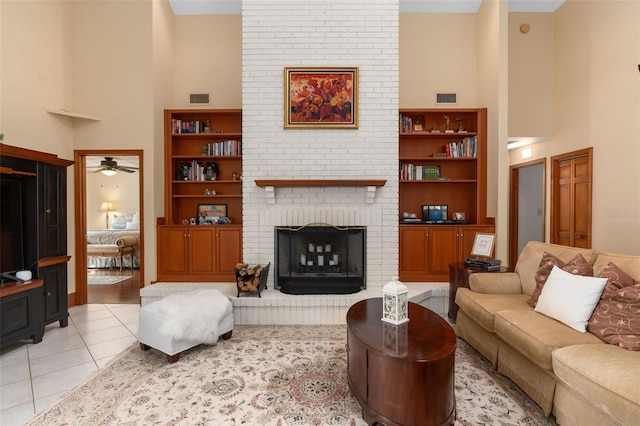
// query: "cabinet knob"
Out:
[48,210]
[48,293]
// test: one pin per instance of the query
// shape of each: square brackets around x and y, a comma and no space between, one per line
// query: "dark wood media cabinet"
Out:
[21,311]
[401,375]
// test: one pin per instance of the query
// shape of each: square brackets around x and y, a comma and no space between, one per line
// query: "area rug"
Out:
[266,375]
[105,279]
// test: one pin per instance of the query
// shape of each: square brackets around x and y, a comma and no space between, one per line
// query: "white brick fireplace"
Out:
[284,33]
[332,33]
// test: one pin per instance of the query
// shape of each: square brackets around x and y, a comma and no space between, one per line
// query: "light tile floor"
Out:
[34,377]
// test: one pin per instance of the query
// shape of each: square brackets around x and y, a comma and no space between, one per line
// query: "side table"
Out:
[459,277]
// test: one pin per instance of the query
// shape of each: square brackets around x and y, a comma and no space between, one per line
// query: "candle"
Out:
[303,259]
[311,247]
[320,260]
[335,258]
[327,247]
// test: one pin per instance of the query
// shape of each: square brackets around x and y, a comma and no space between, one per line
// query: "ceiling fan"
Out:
[110,167]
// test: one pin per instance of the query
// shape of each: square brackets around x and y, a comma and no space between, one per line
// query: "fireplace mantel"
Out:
[270,185]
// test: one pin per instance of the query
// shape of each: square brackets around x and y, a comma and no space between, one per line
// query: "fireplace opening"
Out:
[320,259]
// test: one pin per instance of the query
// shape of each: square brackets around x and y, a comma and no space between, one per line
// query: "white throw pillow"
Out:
[133,225]
[136,217]
[570,298]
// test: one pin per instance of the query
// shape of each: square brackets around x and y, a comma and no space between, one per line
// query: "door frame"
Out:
[514,192]
[80,201]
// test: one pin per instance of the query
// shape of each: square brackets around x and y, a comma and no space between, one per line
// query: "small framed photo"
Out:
[210,213]
[321,97]
[483,245]
[434,212]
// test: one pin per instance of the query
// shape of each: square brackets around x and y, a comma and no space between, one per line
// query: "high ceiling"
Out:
[221,7]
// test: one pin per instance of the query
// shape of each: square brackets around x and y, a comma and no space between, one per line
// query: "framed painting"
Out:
[211,213]
[483,245]
[321,97]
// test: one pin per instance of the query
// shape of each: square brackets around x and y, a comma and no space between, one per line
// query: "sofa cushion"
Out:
[616,319]
[629,264]
[570,298]
[604,376]
[482,307]
[578,265]
[537,336]
[529,260]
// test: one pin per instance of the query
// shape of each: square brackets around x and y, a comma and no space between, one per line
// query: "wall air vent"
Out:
[446,98]
[199,99]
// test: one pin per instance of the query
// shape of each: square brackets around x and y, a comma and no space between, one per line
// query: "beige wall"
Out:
[596,103]
[208,53]
[438,53]
[530,75]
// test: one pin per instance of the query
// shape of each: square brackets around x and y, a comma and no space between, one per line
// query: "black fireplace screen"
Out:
[320,259]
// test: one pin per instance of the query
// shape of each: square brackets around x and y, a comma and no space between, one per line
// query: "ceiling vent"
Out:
[446,98]
[199,99]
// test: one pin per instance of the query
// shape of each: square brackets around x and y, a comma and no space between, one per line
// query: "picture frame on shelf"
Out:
[321,97]
[483,245]
[211,213]
[434,212]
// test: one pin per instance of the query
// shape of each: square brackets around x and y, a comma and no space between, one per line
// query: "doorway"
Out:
[571,183]
[526,206]
[100,202]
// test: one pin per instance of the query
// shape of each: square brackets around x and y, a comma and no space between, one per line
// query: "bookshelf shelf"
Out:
[427,249]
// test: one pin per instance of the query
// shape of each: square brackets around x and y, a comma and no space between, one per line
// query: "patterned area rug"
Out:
[105,279]
[266,375]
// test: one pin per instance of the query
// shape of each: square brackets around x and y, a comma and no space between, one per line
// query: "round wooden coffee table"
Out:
[401,375]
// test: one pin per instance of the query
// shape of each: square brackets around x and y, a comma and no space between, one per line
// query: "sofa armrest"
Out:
[495,283]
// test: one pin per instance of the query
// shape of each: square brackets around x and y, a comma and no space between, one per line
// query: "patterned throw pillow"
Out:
[577,266]
[119,222]
[616,319]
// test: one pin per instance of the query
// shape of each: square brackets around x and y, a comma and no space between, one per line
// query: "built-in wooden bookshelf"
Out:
[203,166]
[443,158]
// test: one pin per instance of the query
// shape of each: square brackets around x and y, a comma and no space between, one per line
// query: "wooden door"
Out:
[571,178]
[172,250]
[442,243]
[413,253]
[201,249]
[228,249]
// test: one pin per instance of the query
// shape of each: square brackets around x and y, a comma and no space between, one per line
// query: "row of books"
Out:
[189,126]
[228,147]
[412,172]
[406,124]
[468,147]
[189,171]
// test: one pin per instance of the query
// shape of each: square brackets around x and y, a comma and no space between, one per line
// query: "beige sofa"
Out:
[576,376]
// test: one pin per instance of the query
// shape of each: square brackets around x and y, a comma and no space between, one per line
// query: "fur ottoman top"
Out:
[194,315]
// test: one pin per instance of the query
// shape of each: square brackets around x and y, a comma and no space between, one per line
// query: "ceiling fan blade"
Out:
[124,169]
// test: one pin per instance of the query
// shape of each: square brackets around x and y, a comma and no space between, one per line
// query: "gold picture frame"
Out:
[483,245]
[321,97]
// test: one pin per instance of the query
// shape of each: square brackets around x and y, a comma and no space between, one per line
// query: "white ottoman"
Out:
[171,325]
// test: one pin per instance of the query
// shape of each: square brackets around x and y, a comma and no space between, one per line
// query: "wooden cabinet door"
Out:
[53,190]
[442,250]
[172,250]
[55,294]
[201,250]
[413,253]
[228,249]
[357,367]
[467,236]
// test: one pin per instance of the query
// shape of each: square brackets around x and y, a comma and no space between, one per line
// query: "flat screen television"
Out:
[12,257]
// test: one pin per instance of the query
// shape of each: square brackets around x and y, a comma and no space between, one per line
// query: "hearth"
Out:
[320,259]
